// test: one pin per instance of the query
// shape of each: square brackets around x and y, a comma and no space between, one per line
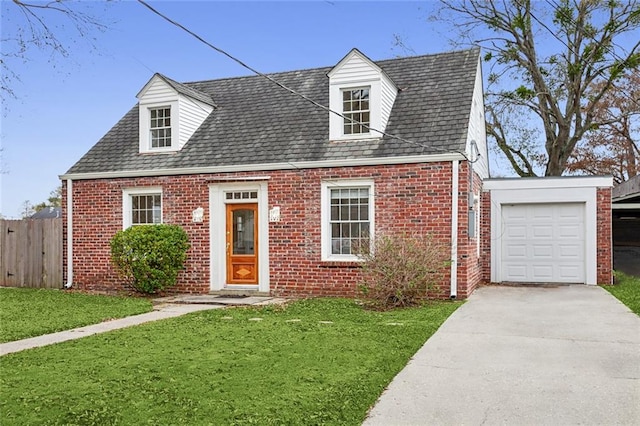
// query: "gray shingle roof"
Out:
[257,122]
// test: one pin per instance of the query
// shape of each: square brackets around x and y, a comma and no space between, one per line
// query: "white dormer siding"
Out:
[356,71]
[186,114]
[477,131]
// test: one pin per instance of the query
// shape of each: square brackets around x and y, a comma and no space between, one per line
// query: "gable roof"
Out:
[259,123]
[354,52]
[180,88]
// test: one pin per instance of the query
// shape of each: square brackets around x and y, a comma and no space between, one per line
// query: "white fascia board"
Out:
[549,182]
[270,166]
[630,206]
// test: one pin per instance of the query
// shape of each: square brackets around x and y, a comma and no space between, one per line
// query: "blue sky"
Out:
[65,105]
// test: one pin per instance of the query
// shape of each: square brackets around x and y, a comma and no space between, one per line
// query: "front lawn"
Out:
[627,290]
[319,361]
[28,312]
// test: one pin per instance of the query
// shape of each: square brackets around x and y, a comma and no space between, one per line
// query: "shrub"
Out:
[149,257]
[400,270]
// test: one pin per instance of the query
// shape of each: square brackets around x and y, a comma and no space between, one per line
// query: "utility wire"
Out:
[290,90]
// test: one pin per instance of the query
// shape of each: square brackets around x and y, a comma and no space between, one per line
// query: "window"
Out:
[347,220]
[142,206]
[146,209]
[242,195]
[355,107]
[160,127]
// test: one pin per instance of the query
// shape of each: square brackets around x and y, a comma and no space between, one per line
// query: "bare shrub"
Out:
[399,270]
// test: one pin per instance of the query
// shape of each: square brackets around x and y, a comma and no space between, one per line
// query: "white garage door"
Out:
[543,243]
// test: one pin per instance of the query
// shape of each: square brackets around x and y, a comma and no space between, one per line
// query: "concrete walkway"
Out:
[523,356]
[168,307]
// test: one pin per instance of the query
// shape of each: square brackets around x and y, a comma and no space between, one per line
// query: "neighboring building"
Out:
[626,226]
[274,191]
[47,213]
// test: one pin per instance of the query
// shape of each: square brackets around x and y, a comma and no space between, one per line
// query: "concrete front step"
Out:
[214,299]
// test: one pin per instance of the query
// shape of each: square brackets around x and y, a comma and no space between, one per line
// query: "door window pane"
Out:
[243,232]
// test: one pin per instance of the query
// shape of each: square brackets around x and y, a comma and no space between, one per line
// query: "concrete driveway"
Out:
[565,355]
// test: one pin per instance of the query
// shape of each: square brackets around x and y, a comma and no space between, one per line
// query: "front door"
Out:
[242,244]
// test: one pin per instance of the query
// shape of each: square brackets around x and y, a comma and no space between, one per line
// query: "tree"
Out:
[32,25]
[54,200]
[552,62]
[613,148]
[26,209]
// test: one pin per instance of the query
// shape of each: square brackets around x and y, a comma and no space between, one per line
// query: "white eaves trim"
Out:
[270,166]
[547,182]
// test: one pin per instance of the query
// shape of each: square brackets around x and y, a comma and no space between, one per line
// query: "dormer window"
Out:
[169,114]
[160,127]
[362,94]
[355,108]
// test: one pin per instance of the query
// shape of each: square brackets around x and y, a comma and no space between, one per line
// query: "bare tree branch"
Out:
[545,55]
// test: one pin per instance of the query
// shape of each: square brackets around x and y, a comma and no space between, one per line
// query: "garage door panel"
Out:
[570,251]
[542,250]
[570,231]
[517,250]
[541,273]
[517,232]
[542,231]
[543,242]
[570,212]
[519,272]
[540,213]
[568,272]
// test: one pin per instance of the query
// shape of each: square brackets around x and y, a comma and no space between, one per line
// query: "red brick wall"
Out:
[408,198]
[485,235]
[604,237]
[469,262]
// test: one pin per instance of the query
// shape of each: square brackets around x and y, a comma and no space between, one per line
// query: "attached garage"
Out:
[549,230]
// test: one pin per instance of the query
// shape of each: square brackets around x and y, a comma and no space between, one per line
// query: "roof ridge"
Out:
[329,67]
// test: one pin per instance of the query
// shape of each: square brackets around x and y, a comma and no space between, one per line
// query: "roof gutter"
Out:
[349,162]
[454,228]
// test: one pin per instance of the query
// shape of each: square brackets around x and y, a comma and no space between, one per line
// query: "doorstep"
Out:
[219,299]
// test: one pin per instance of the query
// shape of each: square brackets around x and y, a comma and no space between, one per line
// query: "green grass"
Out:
[320,361]
[28,312]
[627,290]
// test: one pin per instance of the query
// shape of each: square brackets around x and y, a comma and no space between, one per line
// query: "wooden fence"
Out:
[31,253]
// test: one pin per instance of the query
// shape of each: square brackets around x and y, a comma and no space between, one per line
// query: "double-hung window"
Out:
[356,110]
[142,206]
[348,220]
[160,127]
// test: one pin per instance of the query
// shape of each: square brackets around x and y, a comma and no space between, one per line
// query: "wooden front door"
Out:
[242,244]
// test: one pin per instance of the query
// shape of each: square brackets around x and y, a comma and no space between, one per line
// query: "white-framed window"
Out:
[141,206]
[160,127]
[347,212]
[356,110]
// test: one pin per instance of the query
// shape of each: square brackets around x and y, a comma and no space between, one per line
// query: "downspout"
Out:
[69,282]
[454,229]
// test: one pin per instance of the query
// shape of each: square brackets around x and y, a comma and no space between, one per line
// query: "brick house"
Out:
[274,190]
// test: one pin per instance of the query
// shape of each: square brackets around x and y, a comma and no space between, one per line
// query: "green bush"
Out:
[149,257]
[399,270]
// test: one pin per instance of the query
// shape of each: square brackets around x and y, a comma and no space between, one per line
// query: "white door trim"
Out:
[217,237]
